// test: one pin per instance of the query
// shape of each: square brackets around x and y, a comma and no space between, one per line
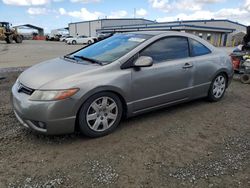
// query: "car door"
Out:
[168,80]
[203,64]
[81,39]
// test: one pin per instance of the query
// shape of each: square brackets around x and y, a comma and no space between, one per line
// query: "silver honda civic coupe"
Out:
[90,90]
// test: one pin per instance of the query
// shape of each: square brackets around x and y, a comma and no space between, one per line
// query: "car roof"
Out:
[175,33]
[155,32]
[166,33]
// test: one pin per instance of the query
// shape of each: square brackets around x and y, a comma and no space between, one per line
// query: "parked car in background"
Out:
[52,37]
[63,38]
[102,36]
[82,39]
[122,76]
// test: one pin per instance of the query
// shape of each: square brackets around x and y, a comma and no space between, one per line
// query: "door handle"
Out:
[187,65]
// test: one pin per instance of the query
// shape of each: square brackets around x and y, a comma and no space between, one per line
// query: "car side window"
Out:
[166,49]
[198,49]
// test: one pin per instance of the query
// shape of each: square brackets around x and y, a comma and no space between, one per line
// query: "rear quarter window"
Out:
[197,48]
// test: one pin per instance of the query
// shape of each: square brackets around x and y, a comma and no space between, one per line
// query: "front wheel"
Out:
[9,39]
[74,42]
[217,88]
[100,114]
[89,42]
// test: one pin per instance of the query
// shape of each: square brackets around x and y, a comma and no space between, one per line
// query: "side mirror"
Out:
[143,61]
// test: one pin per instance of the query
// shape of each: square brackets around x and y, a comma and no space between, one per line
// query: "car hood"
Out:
[53,70]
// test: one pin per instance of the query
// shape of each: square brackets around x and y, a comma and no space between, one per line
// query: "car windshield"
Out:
[112,48]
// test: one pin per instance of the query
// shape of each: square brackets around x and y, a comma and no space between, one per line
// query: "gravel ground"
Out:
[197,144]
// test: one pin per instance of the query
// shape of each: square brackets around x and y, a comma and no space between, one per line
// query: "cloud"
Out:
[187,5]
[37,11]
[163,5]
[62,11]
[26,2]
[85,1]
[118,14]
[83,14]
[231,13]
[208,1]
[247,5]
[190,5]
[202,14]
[235,14]
[141,12]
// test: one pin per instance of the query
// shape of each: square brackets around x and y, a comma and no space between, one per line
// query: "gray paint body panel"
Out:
[149,88]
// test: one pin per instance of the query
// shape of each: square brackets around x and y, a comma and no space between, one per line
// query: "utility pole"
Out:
[134,12]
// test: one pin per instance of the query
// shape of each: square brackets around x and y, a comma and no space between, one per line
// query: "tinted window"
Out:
[197,48]
[112,48]
[167,49]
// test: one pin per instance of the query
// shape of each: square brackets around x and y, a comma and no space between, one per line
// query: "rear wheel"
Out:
[100,114]
[73,42]
[217,88]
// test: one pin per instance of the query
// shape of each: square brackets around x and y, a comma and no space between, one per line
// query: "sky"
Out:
[53,14]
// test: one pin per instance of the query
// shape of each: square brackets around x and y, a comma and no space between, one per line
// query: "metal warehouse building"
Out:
[218,32]
[89,28]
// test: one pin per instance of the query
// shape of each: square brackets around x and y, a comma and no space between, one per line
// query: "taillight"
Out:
[235,62]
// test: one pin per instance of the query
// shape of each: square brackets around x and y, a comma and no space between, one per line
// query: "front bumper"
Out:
[57,116]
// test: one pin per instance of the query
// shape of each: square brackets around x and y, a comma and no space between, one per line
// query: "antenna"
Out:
[134,12]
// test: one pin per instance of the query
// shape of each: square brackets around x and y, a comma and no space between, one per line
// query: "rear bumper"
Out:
[51,118]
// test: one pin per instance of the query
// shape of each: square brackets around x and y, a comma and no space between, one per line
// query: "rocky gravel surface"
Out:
[197,144]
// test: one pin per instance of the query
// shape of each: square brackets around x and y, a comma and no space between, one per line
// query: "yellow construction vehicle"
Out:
[9,34]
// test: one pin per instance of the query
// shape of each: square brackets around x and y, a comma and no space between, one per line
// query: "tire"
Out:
[245,78]
[219,82]
[93,117]
[89,42]
[74,42]
[18,39]
[9,39]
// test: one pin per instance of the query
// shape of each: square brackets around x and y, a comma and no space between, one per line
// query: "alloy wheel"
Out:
[101,114]
[219,86]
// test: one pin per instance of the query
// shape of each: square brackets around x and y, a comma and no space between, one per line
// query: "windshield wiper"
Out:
[69,57]
[89,59]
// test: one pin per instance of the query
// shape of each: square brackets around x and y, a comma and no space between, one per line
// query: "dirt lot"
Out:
[198,144]
[31,52]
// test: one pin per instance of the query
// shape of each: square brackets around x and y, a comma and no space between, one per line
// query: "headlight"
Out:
[43,95]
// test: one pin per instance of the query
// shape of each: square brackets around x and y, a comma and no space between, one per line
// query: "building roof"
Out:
[144,27]
[29,25]
[185,22]
[211,20]
[25,26]
[114,19]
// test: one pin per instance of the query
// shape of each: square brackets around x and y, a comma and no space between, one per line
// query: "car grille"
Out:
[24,89]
